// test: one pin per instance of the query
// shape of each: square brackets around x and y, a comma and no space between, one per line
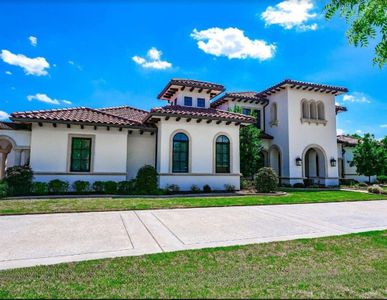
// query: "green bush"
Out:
[308,182]
[98,186]
[266,180]
[126,187]
[246,183]
[382,179]
[298,185]
[229,188]
[39,188]
[195,189]
[172,188]
[348,181]
[207,189]
[81,186]
[146,180]
[57,186]
[19,180]
[110,187]
[3,189]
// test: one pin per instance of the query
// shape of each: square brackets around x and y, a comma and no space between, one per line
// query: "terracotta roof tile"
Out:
[205,113]
[247,96]
[127,112]
[347,140]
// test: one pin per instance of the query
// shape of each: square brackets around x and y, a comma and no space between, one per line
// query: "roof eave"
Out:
[158,114]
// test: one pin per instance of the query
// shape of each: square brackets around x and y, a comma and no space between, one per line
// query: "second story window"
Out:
[257,115]
[246,111]
[188,101]
[201,102]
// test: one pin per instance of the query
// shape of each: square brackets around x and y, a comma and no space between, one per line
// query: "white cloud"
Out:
[46,99]
[33,40]
[356,98]
[232,43]
[32,66]
[359,131]
[291,14]
[3,115]
[8,72]
[340,131]
[79,67]
[153,60]
[383,126]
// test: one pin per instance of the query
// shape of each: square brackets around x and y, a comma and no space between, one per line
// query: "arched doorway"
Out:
[315,165]
[264,158]
[6,146]
[275,160]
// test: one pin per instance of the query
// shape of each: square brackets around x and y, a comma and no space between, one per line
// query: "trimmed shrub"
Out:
[172,188]
[39,188]
[195,189]
[126,187]
[246,183]
[81,186]
[299,185]
[229,188]
[3,189]
[98,186]
[375,189]
[266,180]
[146,180]
[382,179]
[207,189]
[110,187]
[57,186]
[19,180]
[308,182]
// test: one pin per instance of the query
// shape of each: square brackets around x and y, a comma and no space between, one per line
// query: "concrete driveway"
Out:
[55,238]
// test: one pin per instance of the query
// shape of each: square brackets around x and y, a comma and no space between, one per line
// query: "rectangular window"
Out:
[246,111]
[201,102]
[257,115]
[188,101]
[80,154]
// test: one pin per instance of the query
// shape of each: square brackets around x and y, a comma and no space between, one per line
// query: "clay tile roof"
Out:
[169,90]
[14,126]
[127,112]
[76,115]
[347,140]
[340,108]
[198,113]
[244,96]
[323,88]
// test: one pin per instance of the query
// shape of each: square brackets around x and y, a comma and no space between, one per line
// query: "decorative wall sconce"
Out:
[333,162]
[298,161]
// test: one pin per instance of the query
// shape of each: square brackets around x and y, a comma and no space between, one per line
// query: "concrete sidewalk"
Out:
[54,238]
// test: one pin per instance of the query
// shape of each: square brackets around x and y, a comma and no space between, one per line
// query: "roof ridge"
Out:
[123,106]
[112,115]
[48,110]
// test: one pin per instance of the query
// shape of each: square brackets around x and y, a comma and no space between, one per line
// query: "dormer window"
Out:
[201,102]
[187,101]
[246,111]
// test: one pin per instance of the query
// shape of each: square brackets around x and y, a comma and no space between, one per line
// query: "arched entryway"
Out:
[264,158]
[275,159]
[6,146]
[315,164]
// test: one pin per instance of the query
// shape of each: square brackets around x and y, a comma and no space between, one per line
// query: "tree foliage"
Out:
[369,156]
[367,19]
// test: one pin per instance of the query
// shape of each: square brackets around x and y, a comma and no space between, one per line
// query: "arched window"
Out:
[313,110]
[180,153]
[305,109]
[321,111]
[273,113]
[222,154]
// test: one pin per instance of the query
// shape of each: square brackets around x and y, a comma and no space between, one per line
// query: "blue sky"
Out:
[100,54]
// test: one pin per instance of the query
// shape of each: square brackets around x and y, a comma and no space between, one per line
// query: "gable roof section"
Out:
[200,113]
[347,140]
[78,115]
[175,84]
[251,97]
[316,87]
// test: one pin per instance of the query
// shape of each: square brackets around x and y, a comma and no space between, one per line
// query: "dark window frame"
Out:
[187,101]
[180,153]
[222,155]
[201,100]
[82,158]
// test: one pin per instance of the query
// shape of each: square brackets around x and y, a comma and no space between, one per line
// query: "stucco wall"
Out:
[179,97]
[50,153]
[202,146]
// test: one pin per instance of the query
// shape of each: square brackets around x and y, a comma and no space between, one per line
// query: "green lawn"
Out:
[12,207]
[350,266]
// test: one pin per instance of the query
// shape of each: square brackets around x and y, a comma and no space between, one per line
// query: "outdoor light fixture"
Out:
[298,161]
[333,162]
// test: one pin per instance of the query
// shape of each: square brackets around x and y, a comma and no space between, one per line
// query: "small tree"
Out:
[250,148]
[266,180]
[366,157]
[19,180]
[146,180]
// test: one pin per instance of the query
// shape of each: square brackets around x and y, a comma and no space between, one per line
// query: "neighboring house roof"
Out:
[14,126]
[347,140]
[177,83]
[200,113]
[316,87]
[78,115]
[251,97]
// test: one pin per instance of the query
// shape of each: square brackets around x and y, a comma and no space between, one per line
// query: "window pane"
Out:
[80,155]
[201,102]
[188,101]
[180,153]
[222,154]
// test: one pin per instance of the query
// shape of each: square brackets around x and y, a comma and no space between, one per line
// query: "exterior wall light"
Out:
[298,161]
[333,162]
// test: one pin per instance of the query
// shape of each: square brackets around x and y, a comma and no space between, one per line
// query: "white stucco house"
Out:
[193,139]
